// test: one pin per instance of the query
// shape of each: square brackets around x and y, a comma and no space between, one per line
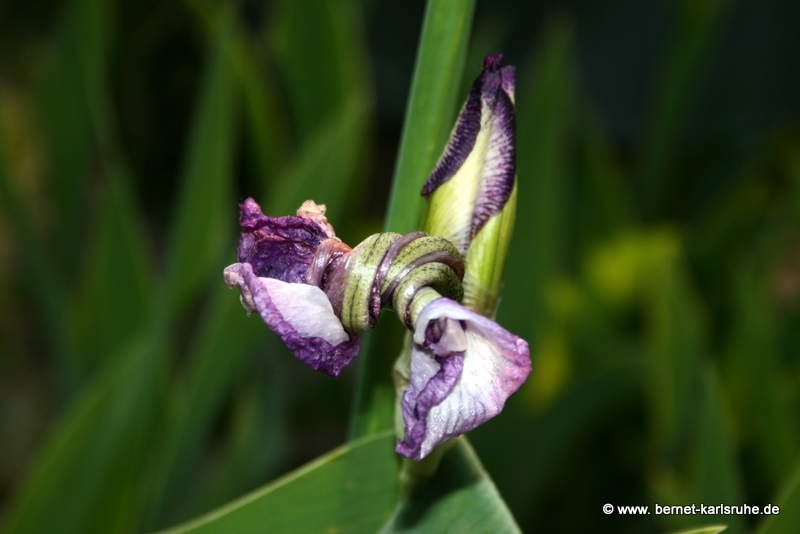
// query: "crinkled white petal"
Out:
[495,364]
[307,309]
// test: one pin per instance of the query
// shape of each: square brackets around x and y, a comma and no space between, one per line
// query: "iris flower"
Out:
[463,365]
[279,274]
[317,294]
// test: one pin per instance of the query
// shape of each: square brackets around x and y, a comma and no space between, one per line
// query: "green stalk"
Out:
[429,117]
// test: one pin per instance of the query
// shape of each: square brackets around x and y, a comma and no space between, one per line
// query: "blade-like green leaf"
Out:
[374,406]
[258,437]
[538,461]
[320,48]
[89,474]
[118,285]
[41,280]
[606,204]
[205,213]
[222,339]
[266,119]
[711,529]
[789,505]
[352,489]
[765,403]
[431,106]
[459,497]
[716,473]
[676,345]
[75,72]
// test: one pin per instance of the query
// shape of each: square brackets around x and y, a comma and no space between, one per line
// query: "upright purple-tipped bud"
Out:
[472,190]
[463,366]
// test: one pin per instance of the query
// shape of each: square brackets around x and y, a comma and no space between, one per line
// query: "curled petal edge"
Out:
[300,314]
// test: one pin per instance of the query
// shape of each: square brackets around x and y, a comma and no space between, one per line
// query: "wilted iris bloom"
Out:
[463,365]
[472,191]
[279,275]
[317,293]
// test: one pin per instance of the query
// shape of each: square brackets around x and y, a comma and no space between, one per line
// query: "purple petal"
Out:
[280,248]
[499,163]
[482,147]
[461,142]
[301,315]
[463,368]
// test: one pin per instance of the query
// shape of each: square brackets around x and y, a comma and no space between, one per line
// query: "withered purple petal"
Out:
[277,247]
[500,166]
[301,315]
[423,394]
[489,106]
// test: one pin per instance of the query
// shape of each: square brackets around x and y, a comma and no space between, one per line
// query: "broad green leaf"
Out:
[544,101]
[352,489]
[205,214]
[90,472]
[789,503]
[431,107]
[458,497]
[713,529]
[716,477]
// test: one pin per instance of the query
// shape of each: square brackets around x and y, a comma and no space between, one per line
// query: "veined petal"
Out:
[463,368]
[476,174]
[300,314]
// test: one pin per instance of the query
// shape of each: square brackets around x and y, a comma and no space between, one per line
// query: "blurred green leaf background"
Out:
[655,268]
